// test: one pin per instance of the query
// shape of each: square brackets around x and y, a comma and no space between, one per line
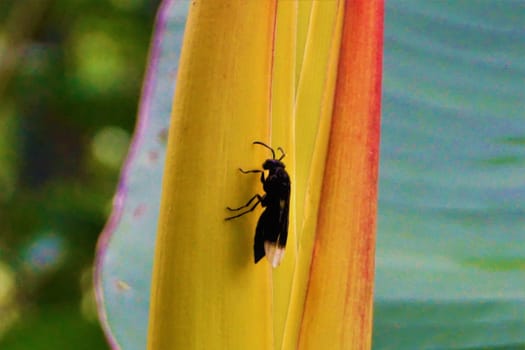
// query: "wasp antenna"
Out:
[265,145]
[282,151]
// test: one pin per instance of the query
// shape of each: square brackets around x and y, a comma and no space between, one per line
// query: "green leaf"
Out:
[450,252]
[125,249]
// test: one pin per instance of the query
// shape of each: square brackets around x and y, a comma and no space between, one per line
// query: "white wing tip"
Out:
[274,253]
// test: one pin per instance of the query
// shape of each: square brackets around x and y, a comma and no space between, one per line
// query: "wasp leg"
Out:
[247,204]
[254,171]
[247,211]
[251,171]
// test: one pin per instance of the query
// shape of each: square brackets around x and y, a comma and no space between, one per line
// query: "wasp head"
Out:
[271,164]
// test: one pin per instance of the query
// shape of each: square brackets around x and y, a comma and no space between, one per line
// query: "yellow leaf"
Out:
[283,135]
[338,305]
[304,76]
[206,292]
[313,117]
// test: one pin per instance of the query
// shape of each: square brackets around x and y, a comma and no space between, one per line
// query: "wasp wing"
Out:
[284,214]
[261,234]
[275,249]
[271,233]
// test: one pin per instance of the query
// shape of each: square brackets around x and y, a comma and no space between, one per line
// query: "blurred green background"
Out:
[70,79]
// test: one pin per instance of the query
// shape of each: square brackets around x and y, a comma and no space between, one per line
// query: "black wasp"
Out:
[272,228]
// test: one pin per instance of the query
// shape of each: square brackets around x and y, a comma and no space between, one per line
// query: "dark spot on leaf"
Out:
[153,156]
[163,136]
[139,211]
[122,286]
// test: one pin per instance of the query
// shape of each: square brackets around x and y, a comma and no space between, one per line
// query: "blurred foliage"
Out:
[70,79]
